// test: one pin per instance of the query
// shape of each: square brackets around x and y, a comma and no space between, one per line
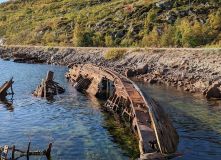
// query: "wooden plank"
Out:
[13,152]
[1,149]
[166,134]
[5,153]
[50,76]
[6,85]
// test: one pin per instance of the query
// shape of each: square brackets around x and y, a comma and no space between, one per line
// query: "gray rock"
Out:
[2,41]
[119,35]
[116,29]
[170,18]
[112,34]
[126,26]
[164,4]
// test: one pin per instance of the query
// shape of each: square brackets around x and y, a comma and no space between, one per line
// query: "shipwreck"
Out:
[5,87]
[158,138]
[48,87]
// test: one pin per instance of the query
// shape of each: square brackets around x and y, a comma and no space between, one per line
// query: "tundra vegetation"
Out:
[112,23]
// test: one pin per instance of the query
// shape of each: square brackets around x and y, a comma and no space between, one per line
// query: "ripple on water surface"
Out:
[197,121]
[73,121]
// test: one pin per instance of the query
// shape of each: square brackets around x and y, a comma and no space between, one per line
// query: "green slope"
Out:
[111,23]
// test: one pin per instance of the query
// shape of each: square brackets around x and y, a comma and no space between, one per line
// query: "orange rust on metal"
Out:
[126,97]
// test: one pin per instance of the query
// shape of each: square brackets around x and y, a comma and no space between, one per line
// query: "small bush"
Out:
[209,51]
[135,50]
[115,54]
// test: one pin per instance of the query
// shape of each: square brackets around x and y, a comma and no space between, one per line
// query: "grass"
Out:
[48,22]
[135,50]
[212,51]
[115,54]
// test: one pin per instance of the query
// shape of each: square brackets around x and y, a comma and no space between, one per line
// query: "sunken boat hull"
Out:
[157,136]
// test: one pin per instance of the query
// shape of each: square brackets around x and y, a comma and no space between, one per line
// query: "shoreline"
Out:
[193,70]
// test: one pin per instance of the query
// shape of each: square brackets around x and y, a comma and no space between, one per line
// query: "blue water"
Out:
[78,128]
[197,121]
[73,121]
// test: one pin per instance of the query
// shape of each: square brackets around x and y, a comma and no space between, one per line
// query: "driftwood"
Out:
[27,153]
[48,87]
[5,87]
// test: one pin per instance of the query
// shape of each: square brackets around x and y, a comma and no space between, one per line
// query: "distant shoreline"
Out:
[194,69]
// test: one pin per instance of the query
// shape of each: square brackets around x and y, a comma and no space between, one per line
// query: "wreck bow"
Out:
[157,136]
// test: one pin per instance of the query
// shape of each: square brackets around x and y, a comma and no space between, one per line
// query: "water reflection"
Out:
[7,103]
[196,120]
[72,121]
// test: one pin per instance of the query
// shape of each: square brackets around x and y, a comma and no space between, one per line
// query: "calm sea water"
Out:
[74,122]
[197,121]
[79,129]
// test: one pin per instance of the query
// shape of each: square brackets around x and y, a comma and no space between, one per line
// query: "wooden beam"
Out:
[5,153]
[28,147]
[1,149]
[13,152]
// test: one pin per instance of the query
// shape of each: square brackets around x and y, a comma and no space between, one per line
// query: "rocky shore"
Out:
[196,71]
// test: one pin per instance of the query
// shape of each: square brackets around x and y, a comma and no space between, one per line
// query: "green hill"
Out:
[112,23]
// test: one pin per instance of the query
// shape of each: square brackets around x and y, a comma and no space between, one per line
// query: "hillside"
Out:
[112,23]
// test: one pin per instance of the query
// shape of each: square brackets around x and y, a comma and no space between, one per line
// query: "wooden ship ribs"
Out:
[157,136]
[48,87]
[27,153]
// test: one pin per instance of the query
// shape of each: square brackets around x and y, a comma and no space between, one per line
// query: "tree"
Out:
[78,35]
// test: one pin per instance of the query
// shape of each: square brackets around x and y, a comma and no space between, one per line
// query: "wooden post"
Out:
[28,147]
[48,150]
[12,90]
[5,153]
[13,152]
[45,90]
[50,76]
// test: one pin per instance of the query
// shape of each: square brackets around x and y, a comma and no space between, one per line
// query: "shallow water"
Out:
[74,122]
[197,121]
[79,129]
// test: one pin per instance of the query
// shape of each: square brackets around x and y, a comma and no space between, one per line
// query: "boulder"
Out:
[157,73]
[214,91]
[129,73]
[142,68]
[151,81]
[202,84]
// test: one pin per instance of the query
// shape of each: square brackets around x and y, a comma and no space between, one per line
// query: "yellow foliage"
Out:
[197,29]
[115,54]
[151,39]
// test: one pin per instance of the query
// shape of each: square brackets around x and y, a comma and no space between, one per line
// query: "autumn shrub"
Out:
[135,50]
[115,54]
